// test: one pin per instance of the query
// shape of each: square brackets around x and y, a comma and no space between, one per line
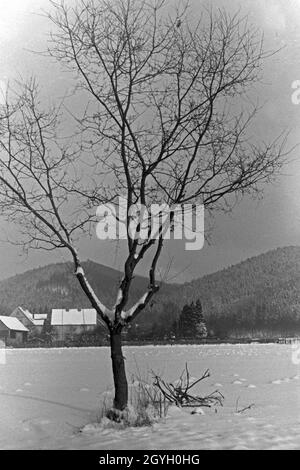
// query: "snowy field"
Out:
[48,396]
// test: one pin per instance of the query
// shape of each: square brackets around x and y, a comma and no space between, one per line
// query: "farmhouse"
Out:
[12,331]
[67,323]
[34,323]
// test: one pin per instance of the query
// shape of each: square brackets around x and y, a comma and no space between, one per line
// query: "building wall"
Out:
[17,337]
[60,333]
[11,337]
[4,333]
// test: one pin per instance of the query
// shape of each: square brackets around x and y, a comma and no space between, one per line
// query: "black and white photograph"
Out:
[149,227]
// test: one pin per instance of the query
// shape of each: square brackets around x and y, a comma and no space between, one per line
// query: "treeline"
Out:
[171,323]
[256,317]
[258,297]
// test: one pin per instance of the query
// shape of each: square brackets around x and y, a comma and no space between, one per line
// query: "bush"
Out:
[146,405]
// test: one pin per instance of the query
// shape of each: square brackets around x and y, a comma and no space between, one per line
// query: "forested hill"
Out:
[275,273]
[262,292]
[55,286]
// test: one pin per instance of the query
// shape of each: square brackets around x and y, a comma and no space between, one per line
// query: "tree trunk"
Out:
[119,374]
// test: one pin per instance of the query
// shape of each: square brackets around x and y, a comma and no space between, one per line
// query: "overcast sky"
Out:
[253,227]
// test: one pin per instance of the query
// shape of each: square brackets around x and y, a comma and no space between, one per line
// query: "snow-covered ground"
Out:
[47,396]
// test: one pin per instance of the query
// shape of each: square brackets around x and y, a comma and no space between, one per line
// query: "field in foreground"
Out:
[47,396]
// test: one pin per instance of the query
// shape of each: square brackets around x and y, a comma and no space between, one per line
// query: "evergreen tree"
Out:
[201,330]
[184,324]
[191,321]
[47,330]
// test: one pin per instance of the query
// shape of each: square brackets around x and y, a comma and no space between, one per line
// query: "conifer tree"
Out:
[191,321]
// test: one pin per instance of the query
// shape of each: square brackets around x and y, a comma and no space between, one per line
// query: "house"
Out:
[39,316]
[34,322]
[12,331]
[67,323]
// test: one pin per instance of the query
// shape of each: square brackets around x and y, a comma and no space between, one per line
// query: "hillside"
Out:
[275,270]
[260,293]
[55,286]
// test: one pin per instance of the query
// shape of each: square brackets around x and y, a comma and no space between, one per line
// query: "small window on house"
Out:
[13,334]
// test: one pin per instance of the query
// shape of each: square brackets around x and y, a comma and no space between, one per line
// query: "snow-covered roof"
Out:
[40,316]
[13,323]
[36,320]
[26,313]
[85,316]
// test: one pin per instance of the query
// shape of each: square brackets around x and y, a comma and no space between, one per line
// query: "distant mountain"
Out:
[56,286]
[276,273]
[260,293]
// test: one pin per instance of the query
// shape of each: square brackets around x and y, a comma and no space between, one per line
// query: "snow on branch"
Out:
[141,302]
[105,313]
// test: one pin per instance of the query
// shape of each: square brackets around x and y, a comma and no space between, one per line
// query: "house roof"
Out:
[85,316]
[36,320]
[26,313]
[13,323]
[40,316]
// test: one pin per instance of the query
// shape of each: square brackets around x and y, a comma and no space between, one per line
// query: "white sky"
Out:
[252,228]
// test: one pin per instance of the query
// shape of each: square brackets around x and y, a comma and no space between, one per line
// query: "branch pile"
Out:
[179,393]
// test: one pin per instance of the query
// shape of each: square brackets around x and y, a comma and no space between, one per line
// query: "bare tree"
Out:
[162,124]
